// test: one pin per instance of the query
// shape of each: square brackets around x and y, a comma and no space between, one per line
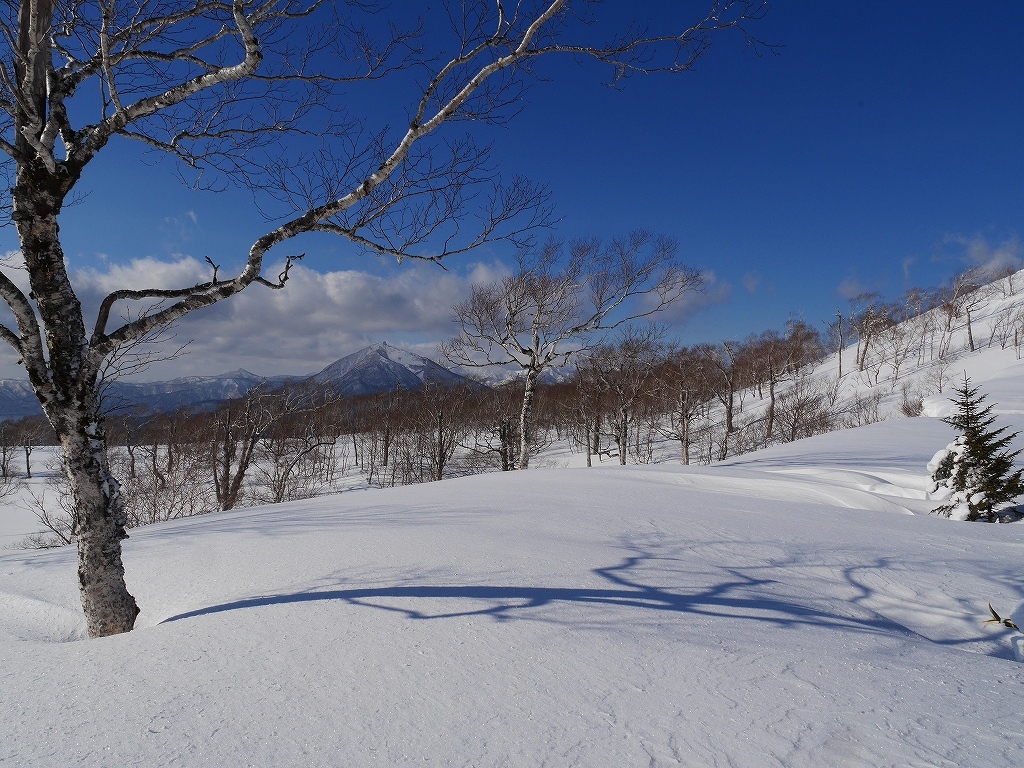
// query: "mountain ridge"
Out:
[374,368]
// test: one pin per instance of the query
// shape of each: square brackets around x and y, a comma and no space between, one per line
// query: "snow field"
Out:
[795,606]
[603,617]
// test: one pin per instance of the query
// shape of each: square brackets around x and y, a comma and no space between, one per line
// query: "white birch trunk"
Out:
[526,416]
[65,382]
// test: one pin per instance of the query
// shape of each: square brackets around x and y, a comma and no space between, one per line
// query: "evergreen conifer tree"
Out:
[976,468]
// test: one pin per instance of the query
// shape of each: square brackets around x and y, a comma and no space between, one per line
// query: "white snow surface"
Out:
[795,606]
[773,610]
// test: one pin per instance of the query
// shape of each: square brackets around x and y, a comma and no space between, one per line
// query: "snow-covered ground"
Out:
[17,518]
[774,610]
[795,606]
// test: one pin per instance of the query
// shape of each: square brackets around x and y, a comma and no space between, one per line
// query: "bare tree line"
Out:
[919,328]
[260,94]
[627,394]
[628,397]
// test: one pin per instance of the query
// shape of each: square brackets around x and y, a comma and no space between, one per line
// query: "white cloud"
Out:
[978,252]
[139,273]
[751,281]
[851,287]
[318,318]
[314,320]
[693,302]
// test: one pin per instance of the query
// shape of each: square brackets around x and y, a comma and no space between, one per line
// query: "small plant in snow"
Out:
[975,474]
[1016,642]
[997,619]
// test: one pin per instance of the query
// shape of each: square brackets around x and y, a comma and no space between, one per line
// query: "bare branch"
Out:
[220,85]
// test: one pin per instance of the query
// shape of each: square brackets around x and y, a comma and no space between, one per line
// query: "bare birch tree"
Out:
[550,309]
[624,371]
[8,450]
[683,387]
[497,426]
[725,376]
[219,84]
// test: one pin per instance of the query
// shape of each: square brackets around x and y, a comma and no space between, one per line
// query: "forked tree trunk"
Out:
[66,384]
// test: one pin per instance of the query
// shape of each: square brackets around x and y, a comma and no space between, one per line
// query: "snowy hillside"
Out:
[919,358]
[776,610]
[899,360]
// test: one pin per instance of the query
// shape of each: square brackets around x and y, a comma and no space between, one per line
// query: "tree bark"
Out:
[100,526]
[839,330]
[684,424]
[730,400]
[65,384]
[587,437]
[441,448]
[525,417]
[505,435]
[622,433]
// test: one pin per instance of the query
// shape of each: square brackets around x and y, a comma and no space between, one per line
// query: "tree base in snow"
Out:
[962,512]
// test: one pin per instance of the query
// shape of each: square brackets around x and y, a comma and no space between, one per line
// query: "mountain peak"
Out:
[374,368]
[379,367]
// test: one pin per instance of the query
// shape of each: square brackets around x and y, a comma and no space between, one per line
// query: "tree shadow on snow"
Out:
[741,596]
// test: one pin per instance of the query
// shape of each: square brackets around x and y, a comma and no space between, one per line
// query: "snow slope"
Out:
[999,371]
[774,610]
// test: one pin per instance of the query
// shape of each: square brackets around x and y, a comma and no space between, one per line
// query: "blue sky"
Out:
[880,149]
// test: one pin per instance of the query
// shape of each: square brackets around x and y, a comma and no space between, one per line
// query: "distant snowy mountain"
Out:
[373,369]
[509,375]
[382,367]
[190,390]
[17,399]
